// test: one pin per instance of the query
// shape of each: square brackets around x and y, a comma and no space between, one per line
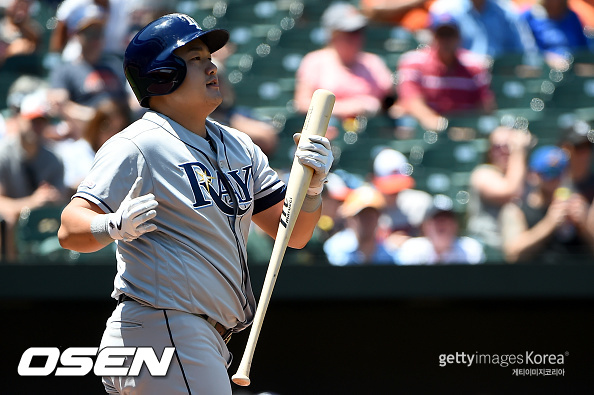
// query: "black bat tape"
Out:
[286,214]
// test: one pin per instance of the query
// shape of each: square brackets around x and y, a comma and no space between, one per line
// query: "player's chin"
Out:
[216,95]
[214,99]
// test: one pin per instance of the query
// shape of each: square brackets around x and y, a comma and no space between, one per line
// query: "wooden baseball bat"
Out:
[316,122]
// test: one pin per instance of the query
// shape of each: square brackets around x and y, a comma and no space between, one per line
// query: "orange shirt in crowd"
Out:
[414,19]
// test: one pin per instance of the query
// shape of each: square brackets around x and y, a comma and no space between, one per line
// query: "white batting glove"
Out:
[129,222]
[317,154]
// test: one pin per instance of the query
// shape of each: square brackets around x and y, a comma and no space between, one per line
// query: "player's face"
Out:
[200,87]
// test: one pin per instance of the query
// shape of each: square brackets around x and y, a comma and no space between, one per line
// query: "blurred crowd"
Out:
[527,202]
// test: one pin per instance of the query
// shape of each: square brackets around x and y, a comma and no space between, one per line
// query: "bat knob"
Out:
[241,379]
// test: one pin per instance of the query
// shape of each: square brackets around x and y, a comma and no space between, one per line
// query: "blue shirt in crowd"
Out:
[342,249]
[560,36]
[496,30]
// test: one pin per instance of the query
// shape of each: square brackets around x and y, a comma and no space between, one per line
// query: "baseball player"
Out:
[177,191]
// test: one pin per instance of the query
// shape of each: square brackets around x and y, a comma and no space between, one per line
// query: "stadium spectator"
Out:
[64,40]
[21,87]
[333,196]
[111,116]
[442,80]
[31,175]
[405,206]
[360,80]
[440,242]
[557,31]
[488,27]
[551,223]
[263,133]
[359,242]
[412,15]
[576,141]
[78,86]
[19,33]
[143,12]
[495,183]
[583,8]
[585,11]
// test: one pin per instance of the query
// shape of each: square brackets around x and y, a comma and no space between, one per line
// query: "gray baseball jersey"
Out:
[196,259]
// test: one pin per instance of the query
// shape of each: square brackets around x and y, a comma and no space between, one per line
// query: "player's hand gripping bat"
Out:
[316,122]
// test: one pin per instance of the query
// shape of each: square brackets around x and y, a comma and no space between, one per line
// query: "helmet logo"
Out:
[189,20]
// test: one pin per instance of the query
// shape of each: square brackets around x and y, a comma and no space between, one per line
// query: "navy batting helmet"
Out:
[151,67]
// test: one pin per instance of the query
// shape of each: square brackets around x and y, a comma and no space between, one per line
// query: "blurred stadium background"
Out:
[367,330]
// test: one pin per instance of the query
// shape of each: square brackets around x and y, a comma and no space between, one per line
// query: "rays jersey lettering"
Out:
[209,189]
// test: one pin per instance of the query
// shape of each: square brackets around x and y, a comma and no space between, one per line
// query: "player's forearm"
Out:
[304,228]
[75,230]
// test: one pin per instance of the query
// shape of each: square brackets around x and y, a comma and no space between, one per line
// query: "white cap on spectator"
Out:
[336,187]
[83,17]
[343,17]
[35,105]
[391,172]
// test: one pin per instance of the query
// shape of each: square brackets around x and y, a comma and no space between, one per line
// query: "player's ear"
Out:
[296,138]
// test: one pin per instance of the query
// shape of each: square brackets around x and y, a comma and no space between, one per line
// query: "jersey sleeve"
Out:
[269,189]
[117,165]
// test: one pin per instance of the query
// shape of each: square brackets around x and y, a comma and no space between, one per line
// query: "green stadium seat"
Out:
[255,90]
[354,153]
[37,234]
[37,240]
[458,156]
[252,12]
[519,92]
[574,91]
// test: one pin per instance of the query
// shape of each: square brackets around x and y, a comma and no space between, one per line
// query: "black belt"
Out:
[224,332]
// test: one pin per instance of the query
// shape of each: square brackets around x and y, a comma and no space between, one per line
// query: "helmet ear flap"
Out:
[156,82]
[165,80]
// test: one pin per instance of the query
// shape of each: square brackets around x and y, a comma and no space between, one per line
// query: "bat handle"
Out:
[243,371]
